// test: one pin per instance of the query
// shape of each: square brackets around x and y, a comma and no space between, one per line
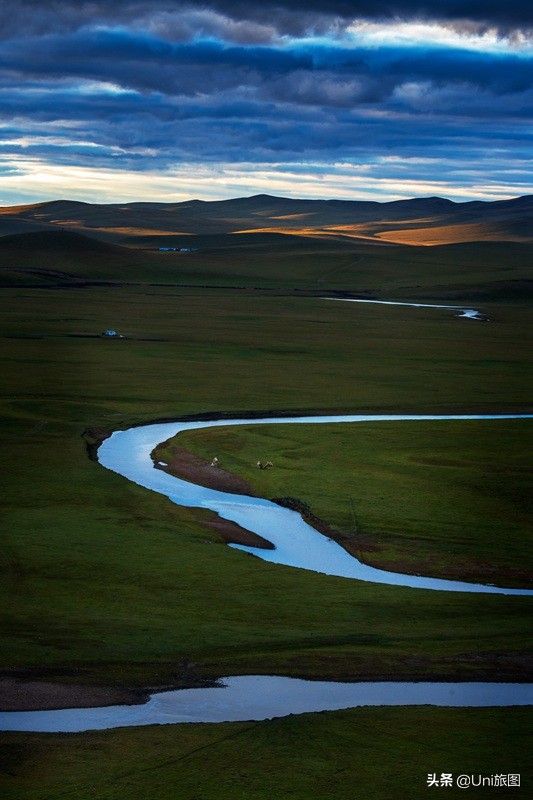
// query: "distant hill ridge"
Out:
[427,220]
[65,241]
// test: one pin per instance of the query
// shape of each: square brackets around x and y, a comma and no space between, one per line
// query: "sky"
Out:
[162,100]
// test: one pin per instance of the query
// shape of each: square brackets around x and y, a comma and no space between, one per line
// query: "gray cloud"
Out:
[325,74]
[241,21]
[146,86]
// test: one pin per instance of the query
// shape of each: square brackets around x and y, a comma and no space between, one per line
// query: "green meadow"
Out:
[446,498]
[107,583]
[368,752]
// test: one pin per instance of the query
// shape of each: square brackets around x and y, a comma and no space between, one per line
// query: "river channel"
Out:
[258,697]
[468,313]
[296,544]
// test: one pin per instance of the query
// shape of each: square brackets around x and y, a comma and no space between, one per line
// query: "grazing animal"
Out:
[214,462]
[266,465]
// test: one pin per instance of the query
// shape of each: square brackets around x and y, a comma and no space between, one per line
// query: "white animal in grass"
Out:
[266,465]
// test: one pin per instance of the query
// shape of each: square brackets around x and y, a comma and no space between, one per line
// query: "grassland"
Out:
[277,263]
[105,583]
[448,499]
[370,753]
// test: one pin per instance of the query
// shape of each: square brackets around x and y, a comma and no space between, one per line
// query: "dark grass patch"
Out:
[370,752]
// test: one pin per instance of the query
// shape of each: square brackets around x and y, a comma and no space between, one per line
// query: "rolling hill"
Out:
[477,272]
[421,221]
[63,257]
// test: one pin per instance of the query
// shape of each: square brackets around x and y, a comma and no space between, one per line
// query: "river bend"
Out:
[296,544]
[259,697]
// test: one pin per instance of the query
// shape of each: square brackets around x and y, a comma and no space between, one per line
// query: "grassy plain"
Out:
[371,753]
[107,583]
[480,272]
[449,499]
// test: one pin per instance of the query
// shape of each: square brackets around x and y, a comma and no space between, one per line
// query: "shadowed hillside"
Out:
[56,256]
[276,262]
[52,240]
[422,221]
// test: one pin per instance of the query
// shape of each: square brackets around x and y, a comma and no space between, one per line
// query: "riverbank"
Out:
[448,499]
[31,694]
[181,463]
[34,694]
[262,697]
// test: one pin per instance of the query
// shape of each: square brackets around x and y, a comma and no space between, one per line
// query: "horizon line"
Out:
[266,196]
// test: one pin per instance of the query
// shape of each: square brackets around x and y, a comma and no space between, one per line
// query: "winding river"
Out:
[296,543]
[258,697]
[469,313]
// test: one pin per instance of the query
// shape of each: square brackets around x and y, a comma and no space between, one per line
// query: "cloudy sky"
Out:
[169,100]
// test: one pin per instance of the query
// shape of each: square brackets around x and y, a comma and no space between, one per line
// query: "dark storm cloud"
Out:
[211,127]
[508,16]
[328,73]
[148,85]
[254,20]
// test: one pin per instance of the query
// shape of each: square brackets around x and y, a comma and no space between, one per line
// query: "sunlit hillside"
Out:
[422,221]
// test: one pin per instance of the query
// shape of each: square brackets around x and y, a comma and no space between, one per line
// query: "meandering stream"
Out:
[296,543]
[258,697]
[469,313]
